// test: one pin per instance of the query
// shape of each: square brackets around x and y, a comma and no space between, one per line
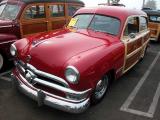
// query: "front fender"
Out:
[94,63]
[5,41]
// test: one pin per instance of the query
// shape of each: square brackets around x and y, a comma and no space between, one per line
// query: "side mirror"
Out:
[132,35]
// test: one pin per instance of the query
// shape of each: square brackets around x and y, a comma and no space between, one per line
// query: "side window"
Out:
[35,12]
[143,23]
[57,10]
[154,18]
[72,9]
[132,26]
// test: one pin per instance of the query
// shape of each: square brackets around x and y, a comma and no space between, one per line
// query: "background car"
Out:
[73,67]
[22,18]
[154,23]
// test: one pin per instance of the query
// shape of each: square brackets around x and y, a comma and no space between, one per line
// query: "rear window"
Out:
[72,9]
[154,19]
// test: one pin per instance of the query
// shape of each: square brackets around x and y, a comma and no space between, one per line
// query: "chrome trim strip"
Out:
[55,96]
[5,26]
[119,70]
[153,39]
[61,104]
[82,94]
[41,73]
[77,72]
[8,42]
[47,75]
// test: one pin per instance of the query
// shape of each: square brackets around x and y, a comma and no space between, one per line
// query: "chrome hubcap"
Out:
[1,61]
[101,88]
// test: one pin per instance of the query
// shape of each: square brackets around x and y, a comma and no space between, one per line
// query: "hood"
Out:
[50,54]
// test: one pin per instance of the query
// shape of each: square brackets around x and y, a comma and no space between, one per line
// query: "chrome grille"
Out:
[30,72]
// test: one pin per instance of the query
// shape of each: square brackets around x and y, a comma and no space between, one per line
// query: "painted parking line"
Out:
[6,79]
[5,73]
[3,77]
[153,106]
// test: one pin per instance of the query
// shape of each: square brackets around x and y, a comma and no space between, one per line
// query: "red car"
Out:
[73,67]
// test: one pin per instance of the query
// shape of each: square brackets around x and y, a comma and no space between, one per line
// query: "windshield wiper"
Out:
[103,32]
[75,27]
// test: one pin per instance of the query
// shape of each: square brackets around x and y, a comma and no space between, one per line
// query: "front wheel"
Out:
[1,62]
[100,90]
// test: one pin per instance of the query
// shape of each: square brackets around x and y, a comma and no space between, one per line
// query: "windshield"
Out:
[8,11]
[97,23]
[154,19]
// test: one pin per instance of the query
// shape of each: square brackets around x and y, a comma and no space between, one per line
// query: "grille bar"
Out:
[28,67]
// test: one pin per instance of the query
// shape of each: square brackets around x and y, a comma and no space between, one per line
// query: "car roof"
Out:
[152,12]
[44,1]
[115,11]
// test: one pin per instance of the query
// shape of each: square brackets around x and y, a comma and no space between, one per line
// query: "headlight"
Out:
[13,50]
[72,75]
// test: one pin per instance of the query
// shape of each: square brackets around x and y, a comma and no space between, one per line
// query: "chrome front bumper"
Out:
[43,97]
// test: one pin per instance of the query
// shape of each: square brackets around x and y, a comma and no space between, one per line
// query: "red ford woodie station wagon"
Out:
[71,68]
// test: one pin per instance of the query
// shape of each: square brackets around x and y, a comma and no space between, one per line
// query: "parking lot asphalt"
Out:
[135,96]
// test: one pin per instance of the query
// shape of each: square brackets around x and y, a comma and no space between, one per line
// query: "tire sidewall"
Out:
[94,100]
[144,53]
[1,62]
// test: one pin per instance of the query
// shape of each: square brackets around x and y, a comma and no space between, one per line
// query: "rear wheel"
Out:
[159,38]
[144,53]
[100,90]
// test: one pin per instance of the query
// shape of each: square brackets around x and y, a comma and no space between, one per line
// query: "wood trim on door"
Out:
[140,45]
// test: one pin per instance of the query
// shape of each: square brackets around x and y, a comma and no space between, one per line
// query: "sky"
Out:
[135,4]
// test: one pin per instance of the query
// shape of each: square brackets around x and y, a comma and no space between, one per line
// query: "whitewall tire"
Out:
[1,61]
[101,89]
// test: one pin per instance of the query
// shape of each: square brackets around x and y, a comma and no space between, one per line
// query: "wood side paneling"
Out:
[34,28]
[130,61]
[139,43]
[146,37]
[131,47]
[58,24]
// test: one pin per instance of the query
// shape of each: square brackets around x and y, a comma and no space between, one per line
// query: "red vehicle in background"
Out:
[71,68]
[23,18]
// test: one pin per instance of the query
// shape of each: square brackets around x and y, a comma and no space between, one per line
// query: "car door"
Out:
[133,41]
[33,20]
[145,32]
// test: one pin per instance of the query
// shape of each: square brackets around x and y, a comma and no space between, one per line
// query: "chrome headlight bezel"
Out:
[13,50]
[72,74]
